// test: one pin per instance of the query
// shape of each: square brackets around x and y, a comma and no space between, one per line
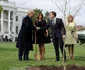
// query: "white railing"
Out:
[7,3]
[22,9]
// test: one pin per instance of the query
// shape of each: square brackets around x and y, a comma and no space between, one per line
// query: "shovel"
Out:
[37,57]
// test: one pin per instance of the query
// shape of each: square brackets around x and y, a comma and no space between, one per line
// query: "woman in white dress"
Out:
[71,36]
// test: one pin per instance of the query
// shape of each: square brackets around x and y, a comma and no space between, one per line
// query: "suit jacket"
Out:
[58,29]
[25,35]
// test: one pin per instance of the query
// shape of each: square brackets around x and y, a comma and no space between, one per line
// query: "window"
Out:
[16,18]
[11,16]
[16,29]
[0,27]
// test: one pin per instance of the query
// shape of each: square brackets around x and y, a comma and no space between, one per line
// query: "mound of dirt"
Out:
[69,67]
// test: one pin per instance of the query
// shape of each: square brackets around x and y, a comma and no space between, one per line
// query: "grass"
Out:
[9,59]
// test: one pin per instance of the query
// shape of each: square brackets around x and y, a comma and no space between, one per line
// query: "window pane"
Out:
[16,18]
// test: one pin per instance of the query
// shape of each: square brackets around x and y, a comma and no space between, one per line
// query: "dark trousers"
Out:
[58,42]
[22,52]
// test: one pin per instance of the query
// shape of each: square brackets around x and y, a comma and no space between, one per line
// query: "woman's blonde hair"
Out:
[70,16]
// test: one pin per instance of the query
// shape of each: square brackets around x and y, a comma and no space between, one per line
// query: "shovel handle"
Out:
[35,43]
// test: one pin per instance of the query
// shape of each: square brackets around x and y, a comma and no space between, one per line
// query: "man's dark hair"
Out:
[54,13]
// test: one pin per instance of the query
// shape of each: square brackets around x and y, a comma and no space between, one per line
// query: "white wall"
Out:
[20,15]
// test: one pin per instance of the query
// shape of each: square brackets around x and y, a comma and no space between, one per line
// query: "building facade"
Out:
[11,20]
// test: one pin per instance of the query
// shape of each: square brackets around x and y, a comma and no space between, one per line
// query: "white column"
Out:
[2,30]
[8,24]
[14,25]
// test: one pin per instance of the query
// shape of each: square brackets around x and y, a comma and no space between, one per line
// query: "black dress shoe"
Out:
[20,59]
[65,60]
[26,58]
[57,59]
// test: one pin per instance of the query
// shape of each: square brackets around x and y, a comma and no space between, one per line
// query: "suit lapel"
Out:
[56,20]
[30,20]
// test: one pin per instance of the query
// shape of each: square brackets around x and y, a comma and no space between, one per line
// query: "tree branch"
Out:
[80,7]
[57,5]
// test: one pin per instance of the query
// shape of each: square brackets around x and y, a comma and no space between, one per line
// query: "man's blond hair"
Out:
[30,11]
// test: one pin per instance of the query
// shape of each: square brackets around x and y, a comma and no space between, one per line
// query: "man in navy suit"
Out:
[58,34]
[24,42]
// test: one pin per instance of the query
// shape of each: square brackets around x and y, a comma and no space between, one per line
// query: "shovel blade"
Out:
[37,57]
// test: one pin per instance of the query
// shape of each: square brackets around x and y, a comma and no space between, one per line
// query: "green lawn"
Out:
[9,61]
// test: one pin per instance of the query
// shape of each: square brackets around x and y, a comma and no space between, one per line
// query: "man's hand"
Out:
[37,28]
[64,37]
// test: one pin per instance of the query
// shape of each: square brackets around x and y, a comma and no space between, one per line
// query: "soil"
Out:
[69,67]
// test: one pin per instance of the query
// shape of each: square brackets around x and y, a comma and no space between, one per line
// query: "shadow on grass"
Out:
[79,58]
[8,49]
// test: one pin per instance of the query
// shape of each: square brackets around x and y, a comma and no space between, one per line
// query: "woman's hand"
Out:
[37,28]
[64,37]
[46,33]
[76,36]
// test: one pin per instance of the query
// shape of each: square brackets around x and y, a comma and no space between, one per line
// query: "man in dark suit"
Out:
[24,42]
[58,34]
